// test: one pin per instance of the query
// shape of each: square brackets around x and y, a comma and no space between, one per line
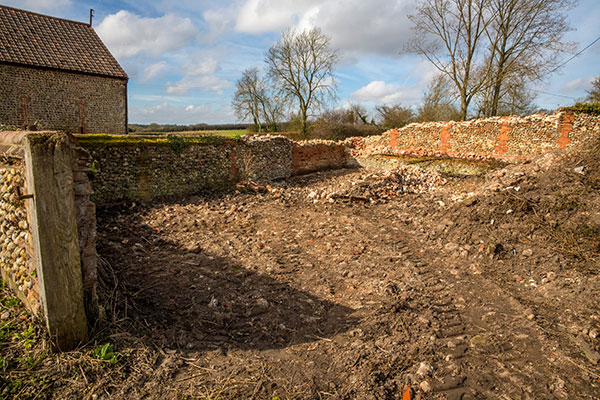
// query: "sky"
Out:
[183,57]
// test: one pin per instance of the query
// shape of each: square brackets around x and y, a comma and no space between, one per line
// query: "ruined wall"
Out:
[510,138]
[64,101]
[318,155]
[16,249]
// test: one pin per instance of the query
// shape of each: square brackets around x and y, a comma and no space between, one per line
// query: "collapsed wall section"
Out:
[506,138]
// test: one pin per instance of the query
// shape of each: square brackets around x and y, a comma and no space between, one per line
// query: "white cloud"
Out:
[219,22]
[154,70]
[204,83]
[379,92]
[37,5]
[128,35]
[201,67]
[355,26]
[199,73]
[258,16]
[578,84]
[166,113]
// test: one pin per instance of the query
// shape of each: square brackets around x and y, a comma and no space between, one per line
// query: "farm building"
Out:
[57,74]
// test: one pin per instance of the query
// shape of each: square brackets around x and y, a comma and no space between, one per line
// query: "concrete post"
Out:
[49,174]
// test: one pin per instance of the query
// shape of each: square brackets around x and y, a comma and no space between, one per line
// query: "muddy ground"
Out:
[485,288]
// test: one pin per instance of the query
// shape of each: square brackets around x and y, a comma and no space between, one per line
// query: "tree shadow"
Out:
[190,299]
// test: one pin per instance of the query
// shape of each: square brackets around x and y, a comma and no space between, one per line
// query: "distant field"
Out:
[232,133]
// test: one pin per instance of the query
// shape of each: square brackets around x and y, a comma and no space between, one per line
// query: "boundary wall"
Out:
[507,138]
[129,168]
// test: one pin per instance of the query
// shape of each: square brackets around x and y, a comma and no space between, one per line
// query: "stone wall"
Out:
[506,138]
[58,100]
[136,167]
[85,210]
[16,248]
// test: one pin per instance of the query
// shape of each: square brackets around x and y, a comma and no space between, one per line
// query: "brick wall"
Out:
[506,138]
[318,155]
[62,101]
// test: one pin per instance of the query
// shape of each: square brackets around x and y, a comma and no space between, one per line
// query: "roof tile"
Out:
[43,41]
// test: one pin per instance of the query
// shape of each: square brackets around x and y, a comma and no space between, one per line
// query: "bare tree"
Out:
[301,64]
[514,98]
[594,93]
[254,99]
[359,114]
[354,114]
[246,102]
[394,116]
[524,39]
[438,101]
[451,35]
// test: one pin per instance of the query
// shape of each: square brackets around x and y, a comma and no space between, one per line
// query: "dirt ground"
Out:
[485,288]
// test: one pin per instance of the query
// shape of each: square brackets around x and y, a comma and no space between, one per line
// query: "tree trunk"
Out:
[498,83]
[303,129]
[464,107]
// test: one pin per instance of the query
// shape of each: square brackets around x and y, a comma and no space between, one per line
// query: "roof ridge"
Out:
[45,16]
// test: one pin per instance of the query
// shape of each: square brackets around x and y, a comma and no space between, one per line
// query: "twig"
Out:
[318,337]
[84,377]
[582,368]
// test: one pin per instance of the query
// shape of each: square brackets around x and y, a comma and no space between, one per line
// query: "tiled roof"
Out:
[39,40]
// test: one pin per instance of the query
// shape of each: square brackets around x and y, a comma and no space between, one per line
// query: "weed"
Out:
[5,330]
[12,302]
[6,364]
[177,143]
[105,352]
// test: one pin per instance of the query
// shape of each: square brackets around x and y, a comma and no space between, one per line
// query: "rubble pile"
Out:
[380,187]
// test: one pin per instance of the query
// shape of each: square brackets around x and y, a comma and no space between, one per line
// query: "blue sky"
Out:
[183,57]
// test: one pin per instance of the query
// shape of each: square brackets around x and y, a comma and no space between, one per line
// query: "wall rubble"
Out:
[506,138]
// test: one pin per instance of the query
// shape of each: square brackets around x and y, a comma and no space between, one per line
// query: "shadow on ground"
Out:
[186,298]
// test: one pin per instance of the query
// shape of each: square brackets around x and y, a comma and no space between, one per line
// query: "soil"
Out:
[483,287]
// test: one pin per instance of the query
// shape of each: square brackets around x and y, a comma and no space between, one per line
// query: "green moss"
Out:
[585,108]
[131,140]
